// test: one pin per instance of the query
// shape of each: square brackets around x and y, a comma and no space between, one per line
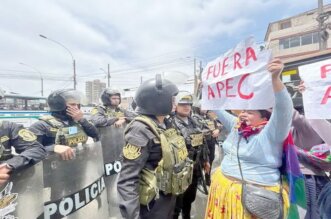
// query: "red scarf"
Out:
[248,130]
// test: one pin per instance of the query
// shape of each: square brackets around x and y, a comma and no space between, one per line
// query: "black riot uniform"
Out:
[107,114]
[198,152]
[142,193]
[59,128]
[24,141]
[207,125]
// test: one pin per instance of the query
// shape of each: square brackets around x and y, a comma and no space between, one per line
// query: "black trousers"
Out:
[185,200]
[211,147]
[314,186]
[161,208]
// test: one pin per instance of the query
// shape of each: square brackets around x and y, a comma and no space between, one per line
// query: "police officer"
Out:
[197,148]
[211,128]
[24,141]
[155,159]
[110,113]
[111,121]
[65,127]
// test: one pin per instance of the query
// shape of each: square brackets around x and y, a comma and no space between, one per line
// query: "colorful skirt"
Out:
[224,200]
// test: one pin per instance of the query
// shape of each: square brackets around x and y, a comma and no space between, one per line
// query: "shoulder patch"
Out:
[4,138]
[46,117]
[51,129]
[131,152]
[94,111]
[27,135]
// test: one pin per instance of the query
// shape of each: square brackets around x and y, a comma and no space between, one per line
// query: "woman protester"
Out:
[252,159]
[312,135]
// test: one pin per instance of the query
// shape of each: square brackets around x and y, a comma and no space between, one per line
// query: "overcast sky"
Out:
[137,38]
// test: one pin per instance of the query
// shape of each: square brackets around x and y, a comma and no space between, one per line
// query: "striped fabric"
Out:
[293,177]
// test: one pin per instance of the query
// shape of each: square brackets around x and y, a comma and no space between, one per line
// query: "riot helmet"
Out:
[57,100]
[155,97]
[107,93]
[184,101]
[184,97]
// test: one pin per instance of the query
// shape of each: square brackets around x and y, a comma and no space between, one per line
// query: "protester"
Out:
[312,132]
[252,153]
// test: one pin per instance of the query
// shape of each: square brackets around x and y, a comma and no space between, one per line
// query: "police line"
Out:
[55,188]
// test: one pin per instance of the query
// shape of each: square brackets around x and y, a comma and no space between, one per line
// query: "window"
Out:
[306,39]
[284,43]
[294,41]
[285,24]
[22,103]
[315,37]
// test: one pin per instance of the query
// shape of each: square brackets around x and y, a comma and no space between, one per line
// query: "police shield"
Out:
[21,193]
[75,188]
[112,140]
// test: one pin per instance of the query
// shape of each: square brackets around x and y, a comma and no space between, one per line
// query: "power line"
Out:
[32,77]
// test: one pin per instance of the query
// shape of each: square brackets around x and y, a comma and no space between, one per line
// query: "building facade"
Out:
[295,40]
[93,90]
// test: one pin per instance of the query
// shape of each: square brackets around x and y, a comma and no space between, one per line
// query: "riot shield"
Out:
[22,192]
[75,188]
[112,140]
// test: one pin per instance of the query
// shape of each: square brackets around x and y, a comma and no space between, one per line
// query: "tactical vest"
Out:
[174,172]
[210,124]
[113,113]
[207,126]
[69,136]
[196,136]
[5,153]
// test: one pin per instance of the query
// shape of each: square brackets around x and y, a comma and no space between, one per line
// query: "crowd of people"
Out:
[169,148]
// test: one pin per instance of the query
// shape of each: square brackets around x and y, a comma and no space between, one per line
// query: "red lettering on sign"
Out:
[229,87]
[237,57]
[210,71]
[324,70]
[241,95]
[224,65]
[219,88]
[219,70]
[210,93]
[250,54]
[327,96]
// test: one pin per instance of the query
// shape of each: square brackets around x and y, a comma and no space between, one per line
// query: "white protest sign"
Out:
[238,79]
[317,96]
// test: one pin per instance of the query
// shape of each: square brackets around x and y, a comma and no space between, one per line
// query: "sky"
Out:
[138,39]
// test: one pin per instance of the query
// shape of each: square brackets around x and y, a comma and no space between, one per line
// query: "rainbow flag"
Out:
[292,176]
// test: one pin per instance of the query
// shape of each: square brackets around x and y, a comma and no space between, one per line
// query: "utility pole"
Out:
[199,95]
[75,77]
[195,77]
[322,26]
[72,57]
[108,76]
